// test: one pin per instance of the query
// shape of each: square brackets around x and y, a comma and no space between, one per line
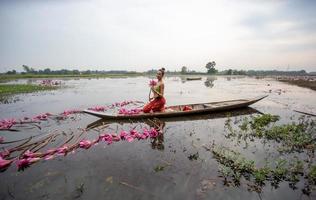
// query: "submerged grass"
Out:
[234,166]
[294,137]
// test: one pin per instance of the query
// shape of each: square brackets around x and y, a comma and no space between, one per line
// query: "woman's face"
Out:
[159,75]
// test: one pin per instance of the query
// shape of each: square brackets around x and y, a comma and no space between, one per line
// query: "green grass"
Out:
[22,88]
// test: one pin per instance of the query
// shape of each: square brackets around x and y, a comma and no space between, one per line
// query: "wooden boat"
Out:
[177,111]
[204,116]
[194,78]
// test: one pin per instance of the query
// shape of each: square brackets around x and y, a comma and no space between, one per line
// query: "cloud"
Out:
[139,34]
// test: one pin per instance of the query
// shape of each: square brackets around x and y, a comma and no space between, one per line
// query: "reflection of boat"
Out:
[236,112]
[182,110]
[194,78]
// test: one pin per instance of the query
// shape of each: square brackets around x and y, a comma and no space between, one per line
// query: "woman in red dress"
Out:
[157,103]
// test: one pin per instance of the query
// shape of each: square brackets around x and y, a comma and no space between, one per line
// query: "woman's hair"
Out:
[162,71]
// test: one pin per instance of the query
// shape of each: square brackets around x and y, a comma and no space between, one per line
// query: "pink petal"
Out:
[129,138]
[48,157]
[4,163]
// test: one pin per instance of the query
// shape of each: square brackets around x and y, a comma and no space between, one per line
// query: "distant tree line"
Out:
[276,73]
[210,69]
[48,71]
[233,72]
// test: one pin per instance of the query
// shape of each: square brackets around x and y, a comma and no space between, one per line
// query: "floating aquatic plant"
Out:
[233,164]
[294,137]
[49,82]
[159,168]
[28,157]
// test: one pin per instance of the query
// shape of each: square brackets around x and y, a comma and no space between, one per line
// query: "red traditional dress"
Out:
[157,104]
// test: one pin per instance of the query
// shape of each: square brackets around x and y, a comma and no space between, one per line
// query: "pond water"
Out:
[174,166]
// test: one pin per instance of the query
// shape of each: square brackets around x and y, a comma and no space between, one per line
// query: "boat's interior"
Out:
[202,106]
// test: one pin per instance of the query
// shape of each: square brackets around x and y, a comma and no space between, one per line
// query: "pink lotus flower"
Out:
[99,108]
[4,163]
[115,138]
[29,154]
[121,104]
[106,138]
[123,134]
[85,144]
[153,133]
[62,150]
[124,111]
[69,112]
[49,82]
[133,133]
[152,83]
[42,117]
[142,136]
[26,162]
[7,123]
[146,133]
[125,103]
[129,138]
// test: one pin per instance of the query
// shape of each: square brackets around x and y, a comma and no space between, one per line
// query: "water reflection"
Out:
[210,81]
[157,142]
[9,99]
[103,167]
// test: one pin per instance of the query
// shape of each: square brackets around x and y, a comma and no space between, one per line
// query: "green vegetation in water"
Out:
[233,166]
[159,168]
[294,137]
[22,88]
[297,137]
[194,156]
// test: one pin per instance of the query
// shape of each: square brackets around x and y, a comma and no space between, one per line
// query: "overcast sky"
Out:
[144,34]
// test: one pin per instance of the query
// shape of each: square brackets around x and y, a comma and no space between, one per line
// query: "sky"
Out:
[140,35]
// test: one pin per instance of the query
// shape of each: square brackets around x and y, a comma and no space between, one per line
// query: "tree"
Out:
[11,72]
[229,72]
[28,69]
[211,67]
[47,71]
[184,70]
